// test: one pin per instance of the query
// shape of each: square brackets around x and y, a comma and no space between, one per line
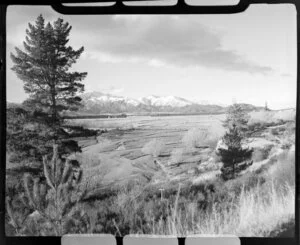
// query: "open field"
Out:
[173,160]
[174,149]
[161,175]
[133,144]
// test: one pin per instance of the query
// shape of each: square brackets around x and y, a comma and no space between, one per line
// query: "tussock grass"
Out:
[271,117]
[196,137]
[257,212]
[255,204]
[154,147]
[250,206]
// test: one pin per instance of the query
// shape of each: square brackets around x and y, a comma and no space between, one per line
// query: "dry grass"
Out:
[196,137]
[269,117]
[255,212]
[94,170]
[260,154]
[284,170]
[177,156]
[154,147]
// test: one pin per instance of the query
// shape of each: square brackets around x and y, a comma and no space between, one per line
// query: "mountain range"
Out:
[102,103]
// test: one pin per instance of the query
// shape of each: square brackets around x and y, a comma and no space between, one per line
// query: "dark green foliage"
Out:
[79,131]
[29,136]
[234,155]
[278,130]
[109,219]
[54,198]
[237,116]
[44,67]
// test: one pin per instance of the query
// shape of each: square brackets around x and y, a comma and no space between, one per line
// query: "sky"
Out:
[248,57]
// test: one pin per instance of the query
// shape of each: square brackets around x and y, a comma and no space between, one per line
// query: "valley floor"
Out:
[147,175]
[164,177]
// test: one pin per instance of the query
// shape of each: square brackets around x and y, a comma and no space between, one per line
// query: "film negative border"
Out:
[119,8]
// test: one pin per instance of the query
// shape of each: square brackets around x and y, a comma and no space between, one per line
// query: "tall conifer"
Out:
[44,67]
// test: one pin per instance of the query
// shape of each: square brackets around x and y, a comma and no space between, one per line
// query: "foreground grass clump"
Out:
[246,215]
[254,204]
[251,205]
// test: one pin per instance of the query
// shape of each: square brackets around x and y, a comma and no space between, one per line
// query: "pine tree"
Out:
[237,116]
[233,154]
[44,67]
[55,198]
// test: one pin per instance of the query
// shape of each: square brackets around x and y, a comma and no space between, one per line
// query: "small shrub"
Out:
[53,197]
[154,147]
[177,156]
[261,117]
[206,137]
[260,154]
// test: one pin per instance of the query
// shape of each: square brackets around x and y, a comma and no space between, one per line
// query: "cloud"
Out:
[180,41]
[286,75]
[156,63]
[109,90]
[114,90]
[164,40]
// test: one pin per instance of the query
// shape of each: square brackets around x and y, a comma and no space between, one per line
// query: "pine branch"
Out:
[47,174]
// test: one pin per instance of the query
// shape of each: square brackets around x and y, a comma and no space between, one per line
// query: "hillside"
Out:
[101,103]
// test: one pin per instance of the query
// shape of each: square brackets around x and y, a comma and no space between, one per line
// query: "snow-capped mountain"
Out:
[173,101]
[99,97]
[99,103]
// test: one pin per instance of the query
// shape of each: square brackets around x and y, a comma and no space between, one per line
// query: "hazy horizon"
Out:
[248,57]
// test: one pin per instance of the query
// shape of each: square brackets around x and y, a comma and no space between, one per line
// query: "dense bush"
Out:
[30,136]
[233,154]
[54,198]
[237,116]
[79,131]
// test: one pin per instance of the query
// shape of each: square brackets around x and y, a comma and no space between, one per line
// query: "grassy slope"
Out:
[258,203]
[255,204]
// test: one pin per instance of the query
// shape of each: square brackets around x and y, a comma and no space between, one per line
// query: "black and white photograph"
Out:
[151,124]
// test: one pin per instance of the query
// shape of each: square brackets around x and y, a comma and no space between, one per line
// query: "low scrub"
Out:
[260,154]
[154,147]
[177,156]
[207,137]
[250,205]
[270,118]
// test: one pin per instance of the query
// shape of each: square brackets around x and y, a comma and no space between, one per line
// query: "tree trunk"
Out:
[53,109]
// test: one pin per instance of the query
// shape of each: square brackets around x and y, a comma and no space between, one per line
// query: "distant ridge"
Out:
[98,103]
[102,103]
